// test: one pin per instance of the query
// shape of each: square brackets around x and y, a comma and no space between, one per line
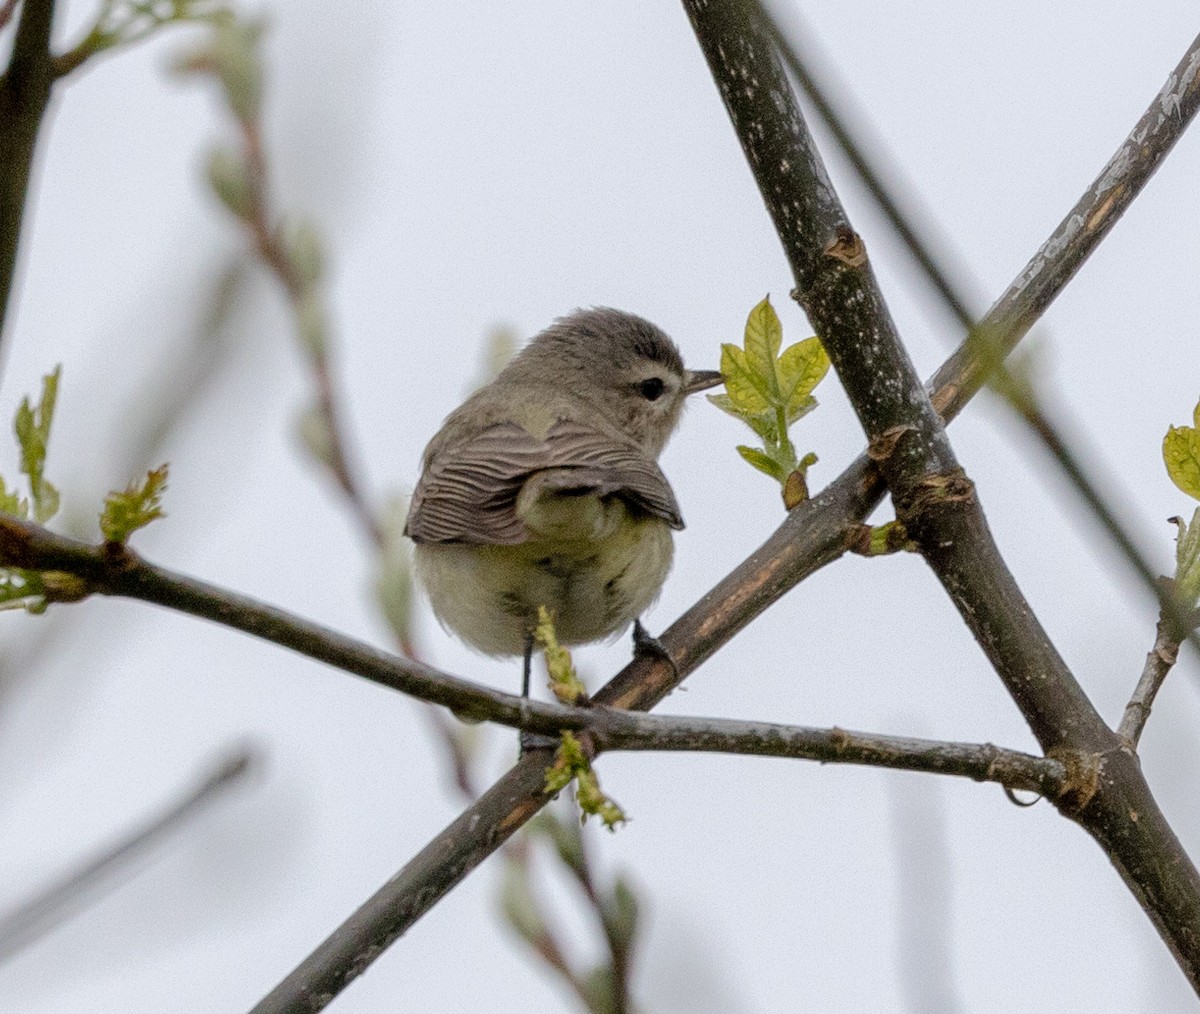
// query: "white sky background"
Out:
[477,163]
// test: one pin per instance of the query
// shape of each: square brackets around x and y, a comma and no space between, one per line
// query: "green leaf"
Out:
[747,391]
[769,391]
[764,335]
[801,368]
[1181,454]
[32,426]
[763,462]
[1187,561]
[11,503]
[124,513]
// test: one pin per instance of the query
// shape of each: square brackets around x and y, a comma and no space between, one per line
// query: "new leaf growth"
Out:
[124,513]
[1181,454]
[26,589]
[769,392]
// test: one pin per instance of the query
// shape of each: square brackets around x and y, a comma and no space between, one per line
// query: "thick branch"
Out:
[24,95]
[1018,392]
[811,536]
[933,497]
[837,288]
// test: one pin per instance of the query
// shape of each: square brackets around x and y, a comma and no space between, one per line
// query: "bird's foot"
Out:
[646,645]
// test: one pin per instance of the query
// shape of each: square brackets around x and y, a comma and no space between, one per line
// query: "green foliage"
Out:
[231,54]
[26,589]
[1187,561]
[571,764]
[1181,455]
[32,426]
[564,681]
[139,504]
[770,391]
[123,22]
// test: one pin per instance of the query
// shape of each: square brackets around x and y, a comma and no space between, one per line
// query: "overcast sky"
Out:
[474,164]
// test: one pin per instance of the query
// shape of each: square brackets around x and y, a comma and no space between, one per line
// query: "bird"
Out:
[543,488]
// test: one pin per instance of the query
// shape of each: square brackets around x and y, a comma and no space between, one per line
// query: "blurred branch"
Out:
[923,868]
[606,988]
[292,254]
[848,130]
[125,22]
[934,499]
[24,96]
[1148,139]
[813,535]
[199,352]
[6,12]
[55,904]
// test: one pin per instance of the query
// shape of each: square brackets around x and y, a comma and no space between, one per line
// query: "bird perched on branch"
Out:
[543,488]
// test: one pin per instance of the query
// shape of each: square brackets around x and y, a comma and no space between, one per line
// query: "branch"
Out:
[35,918]
[1018,392]
[6,12]
[24,95]
[812,535]
[1159,661]
[837,289]
[933,497]
[627,730]
[113,569]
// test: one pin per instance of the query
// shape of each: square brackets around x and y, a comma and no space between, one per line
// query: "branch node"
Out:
[883,445]
[1081,781]
[934,490]
[847,247]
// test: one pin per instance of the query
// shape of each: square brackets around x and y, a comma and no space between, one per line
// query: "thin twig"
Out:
[812,536]
[263,226]
[116,570]
[1159,661]
[38,916]
[628,730]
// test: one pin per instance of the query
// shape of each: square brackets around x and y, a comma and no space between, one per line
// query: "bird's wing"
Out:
[468,490]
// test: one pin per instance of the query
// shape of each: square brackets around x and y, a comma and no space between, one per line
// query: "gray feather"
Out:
[468,490]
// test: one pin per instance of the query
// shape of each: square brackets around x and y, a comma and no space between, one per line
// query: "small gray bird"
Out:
[543,489]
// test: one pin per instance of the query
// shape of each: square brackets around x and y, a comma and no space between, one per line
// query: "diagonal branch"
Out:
[812,535]
[38,916]
[933,497]
[1180,97]
[24,95]
[837,288]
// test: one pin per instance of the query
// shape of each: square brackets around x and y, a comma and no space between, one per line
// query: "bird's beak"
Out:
[701,380]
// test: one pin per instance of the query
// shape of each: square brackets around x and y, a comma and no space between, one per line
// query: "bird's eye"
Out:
[651,388]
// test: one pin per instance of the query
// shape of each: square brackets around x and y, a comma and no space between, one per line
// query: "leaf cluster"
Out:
[769,391]
[571,763]
[139,504]
[123,513]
